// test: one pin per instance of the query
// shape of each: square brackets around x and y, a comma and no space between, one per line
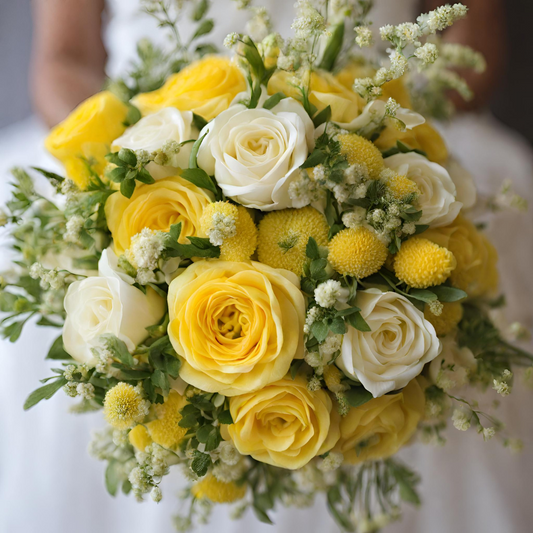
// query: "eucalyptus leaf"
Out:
[44,393]
[357,396]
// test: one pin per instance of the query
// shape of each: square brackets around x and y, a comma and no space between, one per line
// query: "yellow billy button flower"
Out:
[87,134]
[401,186]
[218,491]
[283,237]
[332,377]
[380,427]
[283,424]
[231,227]
[206,87]
[357,252]
[360,150]
[235,326]
[421,263]
[124,406]
[165,429]
[447,321]
[476,271]
[156,207]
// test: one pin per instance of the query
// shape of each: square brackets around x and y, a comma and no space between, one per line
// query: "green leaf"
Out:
[316,157]
[200,178]
[133,116]
[449,294]
[127,187]
[274,100]
[317,268]
[358,322]
[323,116]
[349,311]
[333,48]
[295,366]
[319,331]
[200,10]
[311,250]
[145,177]
[205,27]
[128,156]
[225,417]
[117,174]
[160,379]
[57,351]
[200,463]
[7,301]
[213,440]
[358,396]
[424,295]
[194,151]
[344,522]
[188,421]
[119,349]
[262,515]
[198,121]
[112,477]
[204,49]
[253,57]
[337,326]
[420,228]
[408,493]
[202,434]
[44,393]
[13,331]
[49,175]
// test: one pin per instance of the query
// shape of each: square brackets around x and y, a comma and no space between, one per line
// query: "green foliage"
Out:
[198,247]
[45,392]
[128,171]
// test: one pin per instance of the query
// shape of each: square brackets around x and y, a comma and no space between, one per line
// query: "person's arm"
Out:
[484,31]
[68,57]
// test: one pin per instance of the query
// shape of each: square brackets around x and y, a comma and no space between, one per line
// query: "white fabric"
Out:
[49,484]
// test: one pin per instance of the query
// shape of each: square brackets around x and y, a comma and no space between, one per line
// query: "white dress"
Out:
[49,484]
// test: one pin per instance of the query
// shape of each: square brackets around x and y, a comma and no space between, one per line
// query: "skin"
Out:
[69,56]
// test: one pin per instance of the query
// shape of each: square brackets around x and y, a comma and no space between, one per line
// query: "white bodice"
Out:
[127,24]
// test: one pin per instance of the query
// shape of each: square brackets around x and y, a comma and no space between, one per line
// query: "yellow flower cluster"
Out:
[357,252]
[421,263]
[283,237]
[401,186]
[124,406]
[360,150]
[218,491]
[447,321]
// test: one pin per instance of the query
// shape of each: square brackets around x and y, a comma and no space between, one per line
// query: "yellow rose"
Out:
[283,424]
[476,271]
[324,90]
[236,326]
[87,133]
[156,207]
[206,87]
[380,427]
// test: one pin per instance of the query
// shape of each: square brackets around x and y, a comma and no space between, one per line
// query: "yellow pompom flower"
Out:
[446,322]
[218,491]
[357,252]
[124,406]
[357,149]
[231,227]
[421,263]
[86,135]
[401,186]
[165,429]
[476,271]
[332,377]
[283,237]
[206,87]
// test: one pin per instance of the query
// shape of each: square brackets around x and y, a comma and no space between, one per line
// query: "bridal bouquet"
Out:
[263,265]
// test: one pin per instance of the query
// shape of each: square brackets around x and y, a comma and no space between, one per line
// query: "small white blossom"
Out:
[145,249]
[331,462]
[441,18]
[408,32]
[36,271]
[427,54]
[156,494]
[312,316]
[85,390]
[331,345]
[73,229]
[461,420]
[260,25]
[308,21]
[327,293]
[352,219]
[364,36]
[391,107]
[399,64]
[436,307]
[231,40]
[488,433]
[228,453]
[387,32]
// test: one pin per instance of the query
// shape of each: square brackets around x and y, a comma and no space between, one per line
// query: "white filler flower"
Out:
[255,154]
[400,343]
[107,304]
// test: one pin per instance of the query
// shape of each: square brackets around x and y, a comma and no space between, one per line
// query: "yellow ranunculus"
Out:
[206,87]
[324,90]
[283,424]
[380,427]
[476,271]
[236,326]
[156,207]
[87,134]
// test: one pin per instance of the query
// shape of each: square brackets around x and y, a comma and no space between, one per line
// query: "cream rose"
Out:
[236,326]
[284,424]
[255,154]
[153,131]
[464,183]
[452,367]
[400,343]
[437,198]
[107,304]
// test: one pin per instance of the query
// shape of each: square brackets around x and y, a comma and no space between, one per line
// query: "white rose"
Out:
[464,183]
[153,131]
[437,197]
[394,352]
[255,154]
[452,367]
[107,304]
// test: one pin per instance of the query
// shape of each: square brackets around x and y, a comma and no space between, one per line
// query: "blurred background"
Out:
[507,102]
